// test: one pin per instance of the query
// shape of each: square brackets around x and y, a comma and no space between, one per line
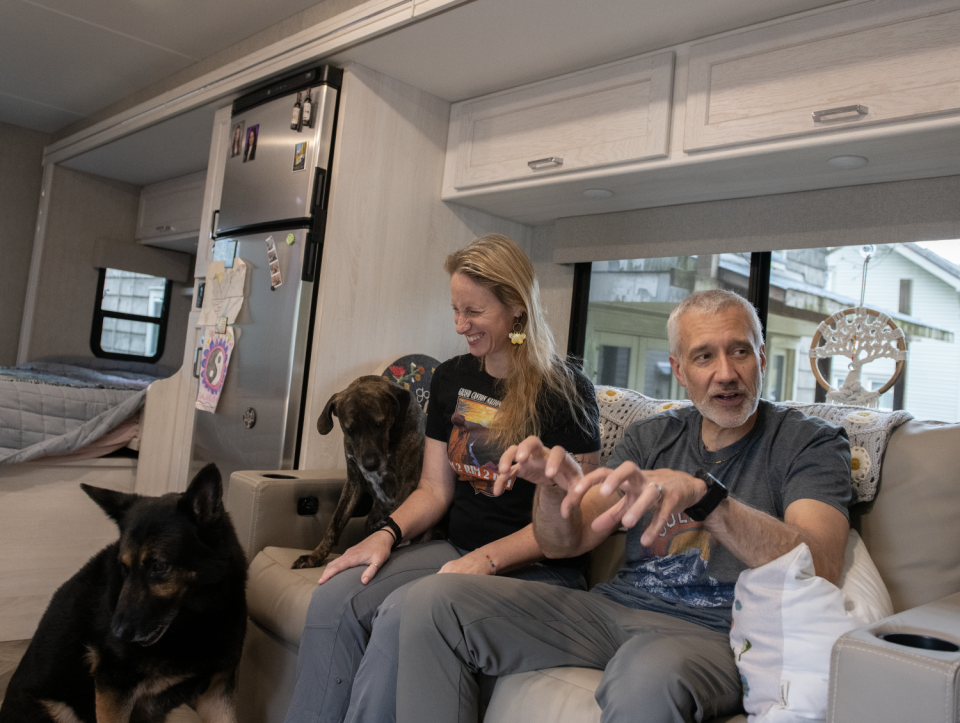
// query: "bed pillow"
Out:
[785,622]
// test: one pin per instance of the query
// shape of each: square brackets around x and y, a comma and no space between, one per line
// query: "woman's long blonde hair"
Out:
[496,263]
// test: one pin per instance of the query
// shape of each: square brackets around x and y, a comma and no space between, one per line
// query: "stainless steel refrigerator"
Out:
[275,188]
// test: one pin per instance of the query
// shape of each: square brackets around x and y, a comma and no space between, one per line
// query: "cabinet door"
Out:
[865,64]
[613,114]
[171,208]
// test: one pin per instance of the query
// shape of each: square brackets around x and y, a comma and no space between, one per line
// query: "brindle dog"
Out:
[383,443]
[154,621]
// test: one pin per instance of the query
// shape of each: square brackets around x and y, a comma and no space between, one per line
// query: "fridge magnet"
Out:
[224,292]
[217,350]
[225,250]
[236,144]
[291,239]
[300,156]
[275,279]
[250,149]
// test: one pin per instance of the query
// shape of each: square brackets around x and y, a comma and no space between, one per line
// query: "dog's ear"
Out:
[203,500]
[115,504]
[402,397]
[325,420]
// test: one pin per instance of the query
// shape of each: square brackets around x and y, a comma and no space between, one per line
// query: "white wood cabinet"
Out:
[170,213]
[884,61]
[605,116]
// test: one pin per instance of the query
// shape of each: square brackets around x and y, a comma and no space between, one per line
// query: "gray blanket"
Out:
[54,408]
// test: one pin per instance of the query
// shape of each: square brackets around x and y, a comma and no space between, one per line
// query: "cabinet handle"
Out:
[552,161]
[819,116]
[164,228]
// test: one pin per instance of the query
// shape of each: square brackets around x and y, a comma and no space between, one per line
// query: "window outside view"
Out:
[131,293]
[916,284]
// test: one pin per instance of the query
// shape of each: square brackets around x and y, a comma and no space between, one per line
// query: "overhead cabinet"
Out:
[860,65]
[170,212]
[604,116]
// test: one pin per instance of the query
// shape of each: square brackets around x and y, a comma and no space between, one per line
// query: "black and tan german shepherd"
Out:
[151,622]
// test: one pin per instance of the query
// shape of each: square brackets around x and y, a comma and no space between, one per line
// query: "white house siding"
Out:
[933,367]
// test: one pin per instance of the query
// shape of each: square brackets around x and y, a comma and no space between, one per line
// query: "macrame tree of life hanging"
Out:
[862,335]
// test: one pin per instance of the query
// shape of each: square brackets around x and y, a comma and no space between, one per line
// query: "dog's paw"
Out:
[305,561]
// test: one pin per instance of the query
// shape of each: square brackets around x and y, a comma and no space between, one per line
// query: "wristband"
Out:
[392,527]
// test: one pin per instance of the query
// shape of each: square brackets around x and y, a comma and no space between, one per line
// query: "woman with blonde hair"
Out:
[512,384]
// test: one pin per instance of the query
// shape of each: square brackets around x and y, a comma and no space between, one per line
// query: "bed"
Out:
[62,421]
[72,407]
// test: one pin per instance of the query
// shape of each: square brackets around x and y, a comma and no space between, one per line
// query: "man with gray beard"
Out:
[705,492]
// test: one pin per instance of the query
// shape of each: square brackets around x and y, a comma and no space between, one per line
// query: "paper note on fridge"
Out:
[224,292]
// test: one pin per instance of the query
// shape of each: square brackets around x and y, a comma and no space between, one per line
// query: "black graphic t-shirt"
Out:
[463,402]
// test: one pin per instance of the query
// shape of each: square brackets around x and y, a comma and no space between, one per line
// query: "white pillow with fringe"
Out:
[785,622]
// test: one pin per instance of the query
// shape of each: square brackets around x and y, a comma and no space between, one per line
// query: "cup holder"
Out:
[923,642]
[278,476]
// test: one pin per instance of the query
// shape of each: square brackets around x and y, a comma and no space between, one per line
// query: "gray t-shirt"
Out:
[787,456]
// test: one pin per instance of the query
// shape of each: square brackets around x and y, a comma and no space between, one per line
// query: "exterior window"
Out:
[629,302]
[130,318]
[916,285]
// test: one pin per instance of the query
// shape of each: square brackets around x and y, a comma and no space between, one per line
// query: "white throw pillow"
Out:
[785,622]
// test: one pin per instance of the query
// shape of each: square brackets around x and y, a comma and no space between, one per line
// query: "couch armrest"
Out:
[264,509]
[875,679]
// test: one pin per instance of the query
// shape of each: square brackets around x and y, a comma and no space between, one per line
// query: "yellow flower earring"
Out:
[517,336]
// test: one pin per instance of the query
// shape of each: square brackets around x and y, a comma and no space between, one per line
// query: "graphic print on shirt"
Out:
[471,454]
[677,568]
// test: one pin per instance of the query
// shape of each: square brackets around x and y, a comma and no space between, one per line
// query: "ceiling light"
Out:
[598,193]
[847,163]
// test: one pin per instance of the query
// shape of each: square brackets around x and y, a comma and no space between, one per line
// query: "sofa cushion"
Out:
[554,694]
[911,527]
[278,597]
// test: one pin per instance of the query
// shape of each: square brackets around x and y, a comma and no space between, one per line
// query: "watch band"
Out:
[388,523]
[716,493]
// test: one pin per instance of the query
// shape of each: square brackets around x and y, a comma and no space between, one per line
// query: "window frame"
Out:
[758,294]
[99,314]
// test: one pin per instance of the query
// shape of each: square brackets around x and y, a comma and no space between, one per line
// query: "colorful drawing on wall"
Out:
[217,349]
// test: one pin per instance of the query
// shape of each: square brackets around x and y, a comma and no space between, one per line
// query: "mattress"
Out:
[62,406]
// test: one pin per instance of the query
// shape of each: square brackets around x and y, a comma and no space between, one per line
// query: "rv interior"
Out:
[603,132]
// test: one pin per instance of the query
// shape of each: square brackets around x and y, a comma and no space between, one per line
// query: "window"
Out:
[130,318]
[917,285]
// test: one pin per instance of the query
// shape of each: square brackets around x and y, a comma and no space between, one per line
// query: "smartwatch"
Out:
[716,493]
[388,523]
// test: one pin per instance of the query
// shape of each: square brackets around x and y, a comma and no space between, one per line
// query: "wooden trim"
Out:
[33,280]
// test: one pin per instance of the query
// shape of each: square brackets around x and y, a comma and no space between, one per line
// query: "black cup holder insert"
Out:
[278,476]
[924,642]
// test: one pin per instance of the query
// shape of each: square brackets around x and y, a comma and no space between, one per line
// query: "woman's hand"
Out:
[372,552]
[538,464]
[473,563]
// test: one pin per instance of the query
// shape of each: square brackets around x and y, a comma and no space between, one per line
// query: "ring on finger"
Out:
[659,491]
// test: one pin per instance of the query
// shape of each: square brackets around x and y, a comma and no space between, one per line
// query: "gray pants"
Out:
[656,668]
[345,616]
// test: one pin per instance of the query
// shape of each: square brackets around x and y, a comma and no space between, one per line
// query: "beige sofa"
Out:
[912,530]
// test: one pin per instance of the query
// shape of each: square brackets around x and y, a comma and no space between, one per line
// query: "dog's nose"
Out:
[371,462]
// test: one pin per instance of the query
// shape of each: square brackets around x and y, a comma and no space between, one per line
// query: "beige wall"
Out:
[20,176]
[383,292]
[83,210]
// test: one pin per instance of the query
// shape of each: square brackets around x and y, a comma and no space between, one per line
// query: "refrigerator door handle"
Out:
[311,256]
[196,359]
[319,190]
[213,223]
